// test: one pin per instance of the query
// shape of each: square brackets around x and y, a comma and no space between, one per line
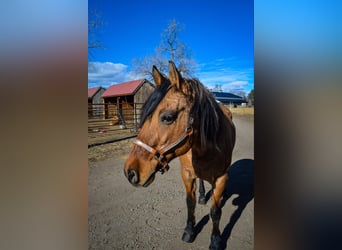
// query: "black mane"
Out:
[207,113]
[152,102]
[205,110]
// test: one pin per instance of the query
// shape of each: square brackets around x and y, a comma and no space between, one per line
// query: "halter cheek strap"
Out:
[160,154]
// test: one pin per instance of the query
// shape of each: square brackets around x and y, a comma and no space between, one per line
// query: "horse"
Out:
[181,118]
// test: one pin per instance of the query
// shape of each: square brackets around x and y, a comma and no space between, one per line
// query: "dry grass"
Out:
[119,149]
[243,111]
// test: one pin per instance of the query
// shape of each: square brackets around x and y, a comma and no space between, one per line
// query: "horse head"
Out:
[165,130]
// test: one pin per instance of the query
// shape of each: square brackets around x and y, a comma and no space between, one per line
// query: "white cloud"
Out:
[229,73]
[235,86]
[108,73]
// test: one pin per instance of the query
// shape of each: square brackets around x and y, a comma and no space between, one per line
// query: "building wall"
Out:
[110,106]
[128,108]
[97,97]
[94,109]
[140,98]
[143,92]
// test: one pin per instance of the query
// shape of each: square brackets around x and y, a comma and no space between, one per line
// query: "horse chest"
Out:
[211,166]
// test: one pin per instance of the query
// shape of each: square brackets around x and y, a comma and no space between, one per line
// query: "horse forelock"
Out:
[153,101]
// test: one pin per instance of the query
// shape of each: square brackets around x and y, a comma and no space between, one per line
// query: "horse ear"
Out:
[157,76]
[174,75]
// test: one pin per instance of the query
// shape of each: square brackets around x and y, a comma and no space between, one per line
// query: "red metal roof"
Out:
[92,91]
[125,88]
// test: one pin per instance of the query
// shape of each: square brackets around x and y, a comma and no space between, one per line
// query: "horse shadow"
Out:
[240,182]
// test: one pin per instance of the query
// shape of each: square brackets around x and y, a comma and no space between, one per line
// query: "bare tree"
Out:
[170,48]
[144,66]
[250,97]
[95,24]
[176,50]
[217,88]
[240,93]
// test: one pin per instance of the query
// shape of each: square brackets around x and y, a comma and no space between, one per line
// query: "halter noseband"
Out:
[160,154]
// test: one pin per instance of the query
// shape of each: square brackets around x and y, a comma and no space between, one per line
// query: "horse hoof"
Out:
[202,200]
[215,243]
[188,237]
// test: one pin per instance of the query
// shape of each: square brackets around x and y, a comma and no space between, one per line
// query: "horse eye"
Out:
[168,117]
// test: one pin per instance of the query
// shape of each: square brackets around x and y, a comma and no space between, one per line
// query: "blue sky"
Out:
[220,34]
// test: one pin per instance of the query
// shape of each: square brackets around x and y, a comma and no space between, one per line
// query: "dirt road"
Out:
[124,217]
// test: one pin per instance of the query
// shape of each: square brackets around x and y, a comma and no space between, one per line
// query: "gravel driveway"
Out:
[121,216]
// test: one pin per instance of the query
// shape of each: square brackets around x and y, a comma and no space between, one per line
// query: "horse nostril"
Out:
[132,176]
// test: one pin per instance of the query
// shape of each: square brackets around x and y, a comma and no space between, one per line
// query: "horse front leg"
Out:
[190,186]
[215,211]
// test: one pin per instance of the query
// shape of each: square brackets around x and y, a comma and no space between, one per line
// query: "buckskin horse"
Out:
[181,118]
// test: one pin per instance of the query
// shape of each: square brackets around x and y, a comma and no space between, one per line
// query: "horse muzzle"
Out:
[132,176]
[133,173]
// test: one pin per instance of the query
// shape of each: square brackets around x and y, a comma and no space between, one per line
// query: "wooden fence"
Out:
[112,122]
